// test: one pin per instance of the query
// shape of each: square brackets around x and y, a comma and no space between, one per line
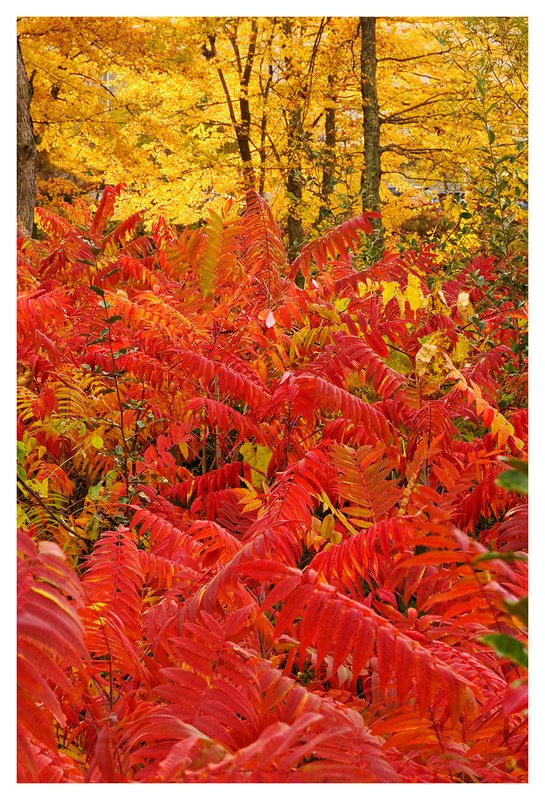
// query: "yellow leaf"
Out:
[184,450]
[424,357]
[342,303]
[41,487]
[258,457]
[465,309]
[389,290]
[328,526]
[459,354]
[316,524]
[22,518]
[414,292]
[501,428]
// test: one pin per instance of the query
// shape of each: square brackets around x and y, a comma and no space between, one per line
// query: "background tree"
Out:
[243,122]
[185,109]
[26,149]
[371,175]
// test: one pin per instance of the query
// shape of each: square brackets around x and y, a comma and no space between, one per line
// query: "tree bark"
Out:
[265,90]
[299,82]
[294,187]
[370,179]
[294,176]
[26,150]
[241,126]
[328,165]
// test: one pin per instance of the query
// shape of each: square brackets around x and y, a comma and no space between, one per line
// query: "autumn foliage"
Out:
[267,533]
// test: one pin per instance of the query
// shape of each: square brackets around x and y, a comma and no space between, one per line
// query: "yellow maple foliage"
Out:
[185,110]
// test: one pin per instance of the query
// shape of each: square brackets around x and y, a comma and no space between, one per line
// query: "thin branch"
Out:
[245,79]
[427,102]
[414,58]
[230,106]
[57,519]
[421,120]
[93,80]
[308,87]
[232,36]
[401,150]
[413,177]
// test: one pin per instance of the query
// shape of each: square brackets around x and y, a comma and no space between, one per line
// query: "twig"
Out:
[57,519]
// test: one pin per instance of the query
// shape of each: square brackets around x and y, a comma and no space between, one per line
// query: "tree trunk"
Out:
[370,179]
[294,187]
[299,80]
[241,126]
[328,164]
[294,176]
[26,150]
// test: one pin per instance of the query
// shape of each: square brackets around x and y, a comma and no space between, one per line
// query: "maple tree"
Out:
[269,532]
[186,109]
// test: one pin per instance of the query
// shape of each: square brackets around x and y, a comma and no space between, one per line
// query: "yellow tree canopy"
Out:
[184,109]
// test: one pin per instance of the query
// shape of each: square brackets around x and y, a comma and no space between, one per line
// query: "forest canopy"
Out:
[187,110]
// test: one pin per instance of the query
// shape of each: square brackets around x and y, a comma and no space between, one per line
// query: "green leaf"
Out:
[94,491]
[22,518]
[513,481]
[97,290]
[518,608]
[113,319]
[93,528]
[509,557]
[507,647]
[111,476]
[21,452]
[516,463]
[97,442]
[41,487]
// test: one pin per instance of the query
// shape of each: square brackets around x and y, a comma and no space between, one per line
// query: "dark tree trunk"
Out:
[243,140]
[263,137]
[265,91]
[328,166]
[370,179]
[26,150]
[294,186]
[294,176]
[241,125]
[299,82]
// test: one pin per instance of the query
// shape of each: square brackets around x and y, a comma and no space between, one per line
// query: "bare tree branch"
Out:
[414,58]
[399,114]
